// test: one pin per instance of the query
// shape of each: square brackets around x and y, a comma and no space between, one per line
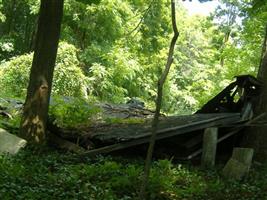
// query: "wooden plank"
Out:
[166,133]
[186,126]
[247,112]
[219,119]
[128,132]
[213,105]
[228,135]
[194,127]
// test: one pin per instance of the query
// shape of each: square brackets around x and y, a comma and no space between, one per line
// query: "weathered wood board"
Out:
[122,138]
[168,126]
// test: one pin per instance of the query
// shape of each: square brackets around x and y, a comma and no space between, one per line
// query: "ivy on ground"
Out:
[50,174]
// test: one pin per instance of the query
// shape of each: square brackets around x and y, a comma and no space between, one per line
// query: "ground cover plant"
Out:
[50,174]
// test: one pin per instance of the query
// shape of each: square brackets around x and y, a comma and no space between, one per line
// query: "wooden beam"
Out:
[209,147]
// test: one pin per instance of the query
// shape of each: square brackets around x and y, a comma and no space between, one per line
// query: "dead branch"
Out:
[158,104]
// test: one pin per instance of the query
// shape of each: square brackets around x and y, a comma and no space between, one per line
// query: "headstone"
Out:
[239,164]
[234,169]
[209,147]
[10,143]
[243,155]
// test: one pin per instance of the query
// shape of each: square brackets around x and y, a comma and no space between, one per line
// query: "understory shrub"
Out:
[69,79]
[72,112]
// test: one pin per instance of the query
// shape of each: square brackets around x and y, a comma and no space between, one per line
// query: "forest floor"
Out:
[50,174]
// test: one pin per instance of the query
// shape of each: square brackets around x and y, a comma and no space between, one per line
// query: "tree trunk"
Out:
[10,17]
[256,136]
[32,39]
[33,123]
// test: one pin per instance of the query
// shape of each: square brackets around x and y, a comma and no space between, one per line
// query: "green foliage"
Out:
[108,19]
[118,78]
[18,24]
[6,48]
[193,77]
[46,175]
[69,79]
[15,75]
[242,51]
[2,16]
[117,49]
[72,112]
[124,121]
[123,48]
[14,110]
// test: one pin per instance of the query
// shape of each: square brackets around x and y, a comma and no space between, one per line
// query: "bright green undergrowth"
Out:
[54,175]
[68,79]
[66,112]
[113,120]
[72,112]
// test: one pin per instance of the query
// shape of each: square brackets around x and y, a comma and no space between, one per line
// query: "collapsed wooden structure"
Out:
[230,111]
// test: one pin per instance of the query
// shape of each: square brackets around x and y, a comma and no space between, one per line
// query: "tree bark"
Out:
[10,17]
[256,136]
[33,123]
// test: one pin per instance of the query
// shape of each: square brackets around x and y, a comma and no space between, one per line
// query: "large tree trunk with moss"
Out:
[256,136]
[33,124]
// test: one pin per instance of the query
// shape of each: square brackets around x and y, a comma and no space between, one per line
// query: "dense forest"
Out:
[113,52]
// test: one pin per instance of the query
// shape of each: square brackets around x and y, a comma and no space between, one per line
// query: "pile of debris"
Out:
[229,111]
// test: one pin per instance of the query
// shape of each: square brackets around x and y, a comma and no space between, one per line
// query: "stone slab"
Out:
[238,166]
[235,169]
[10,143]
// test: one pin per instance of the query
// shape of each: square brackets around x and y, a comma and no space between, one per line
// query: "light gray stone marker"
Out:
[10,143]
[239,164]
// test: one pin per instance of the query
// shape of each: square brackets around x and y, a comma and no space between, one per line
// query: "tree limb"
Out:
[161,82]
[142,19]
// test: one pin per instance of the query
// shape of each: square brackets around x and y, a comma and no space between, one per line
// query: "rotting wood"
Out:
[247,112]
[169,132]
[199,121]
